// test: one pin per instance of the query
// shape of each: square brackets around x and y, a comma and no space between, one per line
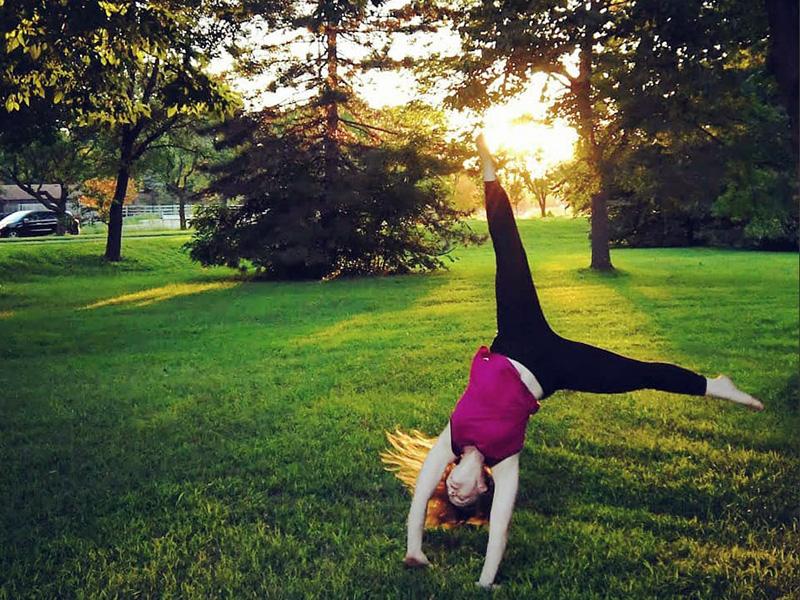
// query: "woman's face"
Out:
[466,483]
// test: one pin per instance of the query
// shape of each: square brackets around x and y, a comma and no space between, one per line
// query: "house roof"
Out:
[14,192]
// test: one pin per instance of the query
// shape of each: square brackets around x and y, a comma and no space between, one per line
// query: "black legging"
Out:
[558,363]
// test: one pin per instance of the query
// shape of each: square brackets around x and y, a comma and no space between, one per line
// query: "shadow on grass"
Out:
[791,391]
[689,309]
[194,443]
[25,260]
[25,263]
[112,452]
[683,483]
[711,488]
[593,275]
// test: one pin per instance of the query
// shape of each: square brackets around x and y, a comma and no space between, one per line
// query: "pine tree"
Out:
[326,185]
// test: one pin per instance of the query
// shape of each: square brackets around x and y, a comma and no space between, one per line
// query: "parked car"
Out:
[35,222]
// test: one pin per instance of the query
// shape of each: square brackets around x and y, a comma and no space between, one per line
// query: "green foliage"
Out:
[577,183]
[174,170]
[137,70]
[387,211]
[224,441]
[39,145]
[721,173]
[328,186]
[708,158]
[87,55]
[682,130]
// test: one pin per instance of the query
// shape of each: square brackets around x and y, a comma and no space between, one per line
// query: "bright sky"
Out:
[515,127]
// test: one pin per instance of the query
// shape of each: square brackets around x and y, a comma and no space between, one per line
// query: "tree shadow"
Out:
[194,405]
[25,264]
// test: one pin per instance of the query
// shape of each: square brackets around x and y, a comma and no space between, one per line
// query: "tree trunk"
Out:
[601,258]
[782,60]
[182,210]
[114,240]
[331,145]
[64,221]
[581,87]
[61,216]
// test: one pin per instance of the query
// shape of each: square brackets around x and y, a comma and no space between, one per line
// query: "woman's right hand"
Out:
[415,560]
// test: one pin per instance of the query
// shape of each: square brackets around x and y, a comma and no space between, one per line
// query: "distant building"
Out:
[13,198]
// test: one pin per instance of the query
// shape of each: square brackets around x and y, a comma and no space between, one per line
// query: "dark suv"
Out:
[35,222]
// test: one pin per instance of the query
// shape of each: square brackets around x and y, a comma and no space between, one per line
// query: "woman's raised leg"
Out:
[518,308]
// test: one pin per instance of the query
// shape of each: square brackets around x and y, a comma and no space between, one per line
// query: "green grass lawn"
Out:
[170,431]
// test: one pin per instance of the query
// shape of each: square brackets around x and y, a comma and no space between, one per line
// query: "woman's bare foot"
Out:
[483,147]
[488,163]
[723,387]
[415,561]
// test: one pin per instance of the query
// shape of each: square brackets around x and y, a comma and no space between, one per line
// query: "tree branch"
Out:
[563,78]
[154,135]
[179,146]
[357,124]
[151,83]
[42,196]
[709,134]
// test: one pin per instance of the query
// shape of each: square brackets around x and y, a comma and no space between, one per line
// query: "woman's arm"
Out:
[429,476]
[506,480]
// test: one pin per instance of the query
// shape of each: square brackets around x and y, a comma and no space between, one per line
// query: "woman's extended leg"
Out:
[518,308]
[586,368]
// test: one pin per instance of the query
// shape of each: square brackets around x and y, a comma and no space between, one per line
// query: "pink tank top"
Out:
[493,411]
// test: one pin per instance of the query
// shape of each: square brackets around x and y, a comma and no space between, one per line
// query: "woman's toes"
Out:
[483,148]
[755,404]
[747,400]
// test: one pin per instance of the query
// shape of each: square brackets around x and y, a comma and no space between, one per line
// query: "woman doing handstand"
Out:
[526,363]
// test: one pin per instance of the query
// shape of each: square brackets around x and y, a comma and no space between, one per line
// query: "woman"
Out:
[526,363]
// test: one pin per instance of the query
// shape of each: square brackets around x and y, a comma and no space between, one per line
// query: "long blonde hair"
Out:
[405,460]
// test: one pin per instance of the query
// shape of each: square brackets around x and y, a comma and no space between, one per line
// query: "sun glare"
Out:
[516,128]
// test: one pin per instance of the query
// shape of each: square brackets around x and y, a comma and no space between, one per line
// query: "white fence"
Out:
[156,216]
[130,210]
[156,210]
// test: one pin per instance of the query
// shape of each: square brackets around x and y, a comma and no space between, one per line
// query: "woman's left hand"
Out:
[487,586]
[416,560]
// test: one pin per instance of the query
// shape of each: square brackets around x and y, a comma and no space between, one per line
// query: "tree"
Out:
[529,177]
[42,151]
[179,165]
[541,188]
[467,191]
[326,185]
[708,156]
[139,69]
[98,195]
[344,38]
[505,43]
[514,168]
[394,216]
[653,89]
[783,60]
